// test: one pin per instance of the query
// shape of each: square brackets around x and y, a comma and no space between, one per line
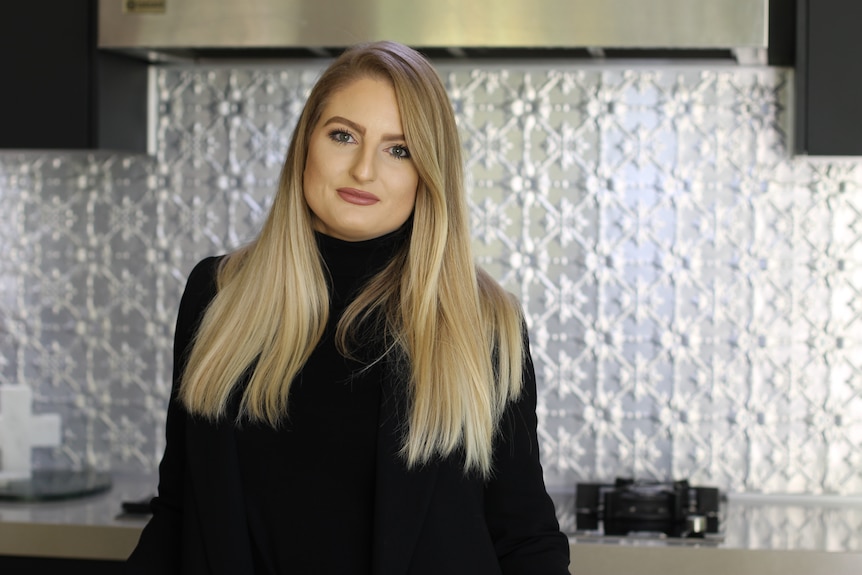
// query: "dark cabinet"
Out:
[829,78]
[60,92]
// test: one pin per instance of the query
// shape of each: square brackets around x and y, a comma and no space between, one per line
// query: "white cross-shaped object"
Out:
[21,431]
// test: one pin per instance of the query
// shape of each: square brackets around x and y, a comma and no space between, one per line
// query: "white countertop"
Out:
[762,535]
[83,528]
[766,522]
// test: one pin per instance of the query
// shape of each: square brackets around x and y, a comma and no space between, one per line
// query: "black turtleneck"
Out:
[309,485]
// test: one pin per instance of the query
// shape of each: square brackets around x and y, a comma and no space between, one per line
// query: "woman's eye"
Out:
[400,152]
[340,136]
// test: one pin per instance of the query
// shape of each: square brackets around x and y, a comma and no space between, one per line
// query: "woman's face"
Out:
[359,180]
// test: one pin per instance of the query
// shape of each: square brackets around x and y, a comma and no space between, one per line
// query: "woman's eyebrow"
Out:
[361,129]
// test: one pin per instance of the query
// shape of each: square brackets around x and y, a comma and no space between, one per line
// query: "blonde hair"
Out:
[458,330]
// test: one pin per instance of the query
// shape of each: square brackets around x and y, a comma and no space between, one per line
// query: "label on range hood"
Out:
[144,6]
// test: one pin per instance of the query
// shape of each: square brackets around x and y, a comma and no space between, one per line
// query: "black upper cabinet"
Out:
[829,78]
[58,90]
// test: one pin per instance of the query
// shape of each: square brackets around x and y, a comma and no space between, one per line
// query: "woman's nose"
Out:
[364,169]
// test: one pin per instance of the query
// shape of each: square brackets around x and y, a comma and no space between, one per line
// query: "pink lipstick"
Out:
[358,197]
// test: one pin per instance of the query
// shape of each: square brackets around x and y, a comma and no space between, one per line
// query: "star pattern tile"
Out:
[693,292]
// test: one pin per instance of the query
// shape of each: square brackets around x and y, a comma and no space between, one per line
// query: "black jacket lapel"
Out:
[402,496]
[214,464]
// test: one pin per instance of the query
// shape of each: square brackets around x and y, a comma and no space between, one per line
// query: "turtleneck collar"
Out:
[351,264]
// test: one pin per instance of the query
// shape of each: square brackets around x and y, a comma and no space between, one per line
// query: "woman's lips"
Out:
[358,197]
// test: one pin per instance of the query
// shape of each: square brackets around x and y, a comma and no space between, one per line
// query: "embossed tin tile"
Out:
[692,291]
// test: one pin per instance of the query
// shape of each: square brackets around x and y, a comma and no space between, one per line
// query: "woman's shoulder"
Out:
[205,268]
[201,282]
[205,272]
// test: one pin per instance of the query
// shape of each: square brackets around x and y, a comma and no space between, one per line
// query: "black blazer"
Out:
[428,521]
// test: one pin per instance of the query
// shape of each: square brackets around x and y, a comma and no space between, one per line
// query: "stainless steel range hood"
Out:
[457,26]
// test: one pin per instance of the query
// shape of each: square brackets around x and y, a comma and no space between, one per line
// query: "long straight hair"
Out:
[458,330]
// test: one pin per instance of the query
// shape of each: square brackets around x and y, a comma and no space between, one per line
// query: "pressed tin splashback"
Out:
[693,293]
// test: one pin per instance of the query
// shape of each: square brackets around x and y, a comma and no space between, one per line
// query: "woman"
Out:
[351,394]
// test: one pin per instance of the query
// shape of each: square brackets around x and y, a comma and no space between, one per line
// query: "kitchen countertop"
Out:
[761,535]
[83,528]
[825,523]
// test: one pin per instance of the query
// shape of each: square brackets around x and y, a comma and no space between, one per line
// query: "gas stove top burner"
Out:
[625,507]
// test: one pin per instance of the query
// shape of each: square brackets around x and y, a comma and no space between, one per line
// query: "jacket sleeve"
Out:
[519,513]
[159,549]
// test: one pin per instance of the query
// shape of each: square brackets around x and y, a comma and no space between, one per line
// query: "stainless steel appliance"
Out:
[207,27]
